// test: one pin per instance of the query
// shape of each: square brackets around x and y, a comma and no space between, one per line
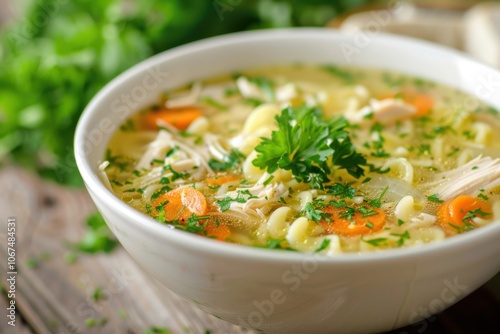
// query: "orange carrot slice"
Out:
[216,231]
[181,203]
[179,117]
[452,215]
[423,103]
[359,225]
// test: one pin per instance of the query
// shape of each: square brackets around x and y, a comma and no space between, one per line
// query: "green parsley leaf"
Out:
[367,212]
[175,175]
[193,223]
[377,242]
[402,237]
[435,198]
[348,213]
[378,201]
[224,204]
[164,180]
[315,215]
[378,170]
[157,161]
[160,192]
[254,102]
[324,244]
[268,180]
[424,149]
[129,125]
[467,226]
[230,161]
[342,190]
[304,143]
[454,150]
[171,152]
[346,76]
[483,196]
[213,103]
[274,243]
[338,204]
[346,157]
[476,213]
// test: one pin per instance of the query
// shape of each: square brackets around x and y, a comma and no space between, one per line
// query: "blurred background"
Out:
[56,54]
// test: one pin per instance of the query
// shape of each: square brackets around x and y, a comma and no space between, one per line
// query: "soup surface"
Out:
[313,159]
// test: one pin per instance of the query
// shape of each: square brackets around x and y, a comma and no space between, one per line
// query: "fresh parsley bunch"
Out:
[309,147]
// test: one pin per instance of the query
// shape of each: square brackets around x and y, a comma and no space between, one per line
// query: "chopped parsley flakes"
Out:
[435,198]
[230,161]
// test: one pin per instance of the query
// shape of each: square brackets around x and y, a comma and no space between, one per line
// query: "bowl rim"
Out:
[201,244]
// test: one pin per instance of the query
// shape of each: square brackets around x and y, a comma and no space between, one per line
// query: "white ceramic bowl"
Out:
[288,292]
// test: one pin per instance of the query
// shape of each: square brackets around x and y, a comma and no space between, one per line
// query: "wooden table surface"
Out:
[56,297]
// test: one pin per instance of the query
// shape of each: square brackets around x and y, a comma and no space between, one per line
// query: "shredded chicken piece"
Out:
[188,157]
[479,173]
[185,100]
[267,197]
[248,89]
[384,111]
[422,220]
[286,92]
[389,110]
[183,165]
[214,146]
[156,148]
[103,176]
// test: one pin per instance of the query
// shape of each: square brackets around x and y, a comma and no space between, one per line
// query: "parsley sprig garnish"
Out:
[309,147]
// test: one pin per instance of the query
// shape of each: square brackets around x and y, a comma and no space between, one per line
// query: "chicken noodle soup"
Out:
[313,159]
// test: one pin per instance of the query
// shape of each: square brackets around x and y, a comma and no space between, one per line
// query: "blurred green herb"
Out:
[32,263]
[97,294]
[51,67]
[93,322]
[157,330]
[70,257]
[98,237]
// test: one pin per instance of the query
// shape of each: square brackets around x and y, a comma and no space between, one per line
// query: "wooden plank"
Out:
[20,326]
[55,297]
